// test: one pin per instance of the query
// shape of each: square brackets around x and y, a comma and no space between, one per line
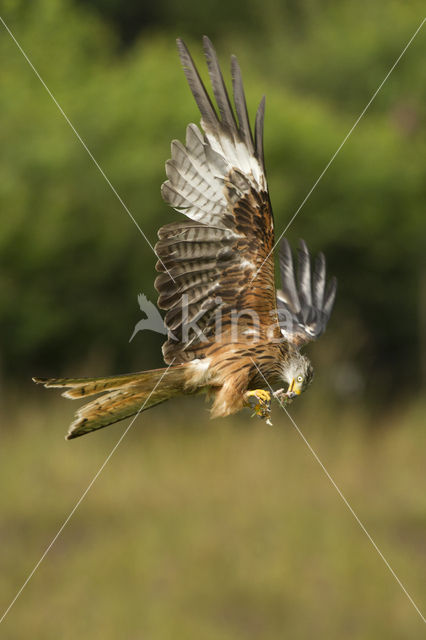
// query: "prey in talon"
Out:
[259,401]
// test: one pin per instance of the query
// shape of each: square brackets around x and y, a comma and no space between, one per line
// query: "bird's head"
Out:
[298,374]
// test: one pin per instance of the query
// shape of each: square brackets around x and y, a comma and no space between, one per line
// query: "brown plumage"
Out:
[229,330]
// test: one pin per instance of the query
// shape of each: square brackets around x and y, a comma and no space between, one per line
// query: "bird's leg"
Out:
[260,401]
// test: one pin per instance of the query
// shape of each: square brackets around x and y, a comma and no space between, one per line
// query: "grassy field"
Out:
[212,530]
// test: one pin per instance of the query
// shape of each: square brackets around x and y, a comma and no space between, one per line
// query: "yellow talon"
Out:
[260,394]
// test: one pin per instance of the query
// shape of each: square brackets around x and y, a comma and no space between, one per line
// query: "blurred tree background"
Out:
[228,529]
[73,262]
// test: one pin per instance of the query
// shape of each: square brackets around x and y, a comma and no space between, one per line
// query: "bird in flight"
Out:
[231,334]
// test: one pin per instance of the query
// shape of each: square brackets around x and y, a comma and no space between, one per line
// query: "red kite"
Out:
[230,333]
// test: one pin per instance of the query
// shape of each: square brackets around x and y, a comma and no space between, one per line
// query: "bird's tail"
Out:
[122,396]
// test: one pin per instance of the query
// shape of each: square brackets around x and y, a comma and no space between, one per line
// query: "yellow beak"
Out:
[294,388]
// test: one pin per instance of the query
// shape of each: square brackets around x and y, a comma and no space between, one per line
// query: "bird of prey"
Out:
[231,335]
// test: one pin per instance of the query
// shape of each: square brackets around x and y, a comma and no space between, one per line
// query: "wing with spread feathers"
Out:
[305,303]
[219,261]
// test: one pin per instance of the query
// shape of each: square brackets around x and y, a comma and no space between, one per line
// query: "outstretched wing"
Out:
[219,260]
[305,303]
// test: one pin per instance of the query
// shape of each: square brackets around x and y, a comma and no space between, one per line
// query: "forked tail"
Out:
[122,396]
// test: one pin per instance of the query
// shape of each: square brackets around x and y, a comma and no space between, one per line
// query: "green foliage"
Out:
[72,261]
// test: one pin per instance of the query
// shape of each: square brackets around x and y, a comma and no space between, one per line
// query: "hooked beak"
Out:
[293,390]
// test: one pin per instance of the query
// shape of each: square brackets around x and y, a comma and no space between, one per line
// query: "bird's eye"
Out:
[299,378]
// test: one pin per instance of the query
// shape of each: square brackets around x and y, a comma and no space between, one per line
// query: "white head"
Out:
[297,373]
